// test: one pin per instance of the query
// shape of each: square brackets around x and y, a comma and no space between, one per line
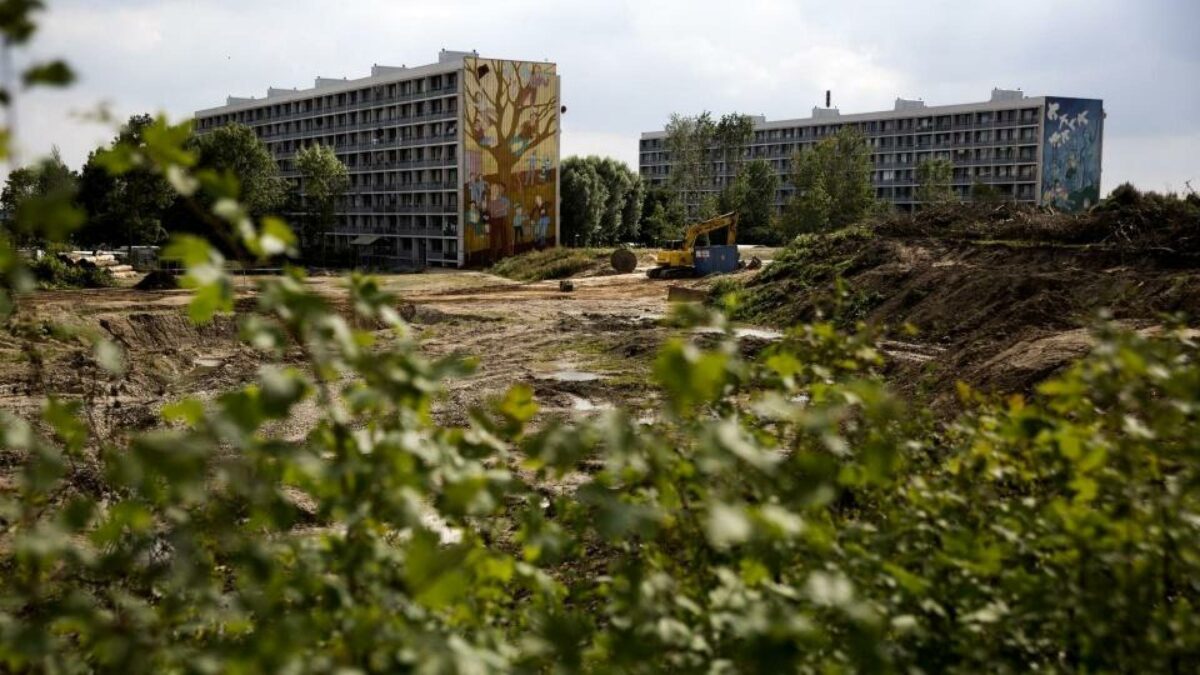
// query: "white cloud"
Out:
[619,146]
[628,64]
[1163,163]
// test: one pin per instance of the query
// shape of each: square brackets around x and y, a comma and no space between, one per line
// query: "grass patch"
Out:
[553,263]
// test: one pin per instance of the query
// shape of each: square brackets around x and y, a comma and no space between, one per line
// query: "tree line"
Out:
[112,202]
[713,171]
[603,201]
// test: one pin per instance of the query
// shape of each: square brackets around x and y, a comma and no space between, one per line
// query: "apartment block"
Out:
[453,163]
[1038,150]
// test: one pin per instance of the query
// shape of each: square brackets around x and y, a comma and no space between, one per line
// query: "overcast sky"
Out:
[628,64]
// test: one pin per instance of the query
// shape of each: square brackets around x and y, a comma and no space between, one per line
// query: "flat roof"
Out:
[839,118]
[449,61]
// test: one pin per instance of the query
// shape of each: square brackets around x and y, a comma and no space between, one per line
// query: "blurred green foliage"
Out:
[786,513]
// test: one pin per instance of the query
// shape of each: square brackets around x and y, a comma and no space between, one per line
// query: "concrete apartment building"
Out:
[451,164]
[1038,150]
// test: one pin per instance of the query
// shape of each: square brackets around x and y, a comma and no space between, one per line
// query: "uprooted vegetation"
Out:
[1128,220]
[1003,293]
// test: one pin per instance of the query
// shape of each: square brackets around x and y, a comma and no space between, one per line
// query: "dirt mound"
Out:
[158,280]
[1002,315]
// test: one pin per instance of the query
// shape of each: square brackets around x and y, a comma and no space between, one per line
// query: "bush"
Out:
[552,263]
[51,272]
[724,290]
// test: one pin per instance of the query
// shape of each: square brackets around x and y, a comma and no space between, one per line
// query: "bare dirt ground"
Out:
[580,351]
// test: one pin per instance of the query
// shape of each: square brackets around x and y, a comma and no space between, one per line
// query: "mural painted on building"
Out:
[1073,135]
[510,191]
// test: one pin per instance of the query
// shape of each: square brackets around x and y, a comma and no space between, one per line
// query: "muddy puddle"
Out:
[742,332]
[572,376]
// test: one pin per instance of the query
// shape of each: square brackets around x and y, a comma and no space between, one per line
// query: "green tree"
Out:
[934,178]
[125,209]
[601,201]
[323,181]
[21,185]
[584,198]
[752,196]
[233,153]
[31,189]
[689,140]
[985,193]
[236,150]
[662,216]
[732,133]
[832,184]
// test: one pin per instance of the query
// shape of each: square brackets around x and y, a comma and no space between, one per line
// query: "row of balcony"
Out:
[387,166]
[1007,143]
[432,139]
[958,180]
[945,128]
[435,209]
[401,231]
[972,126]
[359,105]
[988,161]
[441,116]
[956,162]
[405,187]
[925,147]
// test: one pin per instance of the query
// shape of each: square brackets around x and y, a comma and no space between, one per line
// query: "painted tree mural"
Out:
[510,190]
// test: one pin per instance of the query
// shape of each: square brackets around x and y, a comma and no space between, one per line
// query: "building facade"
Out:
[453,163]
[1038,150]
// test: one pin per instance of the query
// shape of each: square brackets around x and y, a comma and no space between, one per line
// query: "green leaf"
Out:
[110,356]
[53,73]
[727,525]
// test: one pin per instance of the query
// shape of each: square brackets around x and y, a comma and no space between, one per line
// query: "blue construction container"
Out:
[716,259]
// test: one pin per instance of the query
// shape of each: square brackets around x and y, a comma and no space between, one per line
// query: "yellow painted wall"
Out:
[510,182]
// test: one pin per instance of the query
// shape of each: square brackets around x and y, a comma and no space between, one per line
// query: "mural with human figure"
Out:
[1073,134]
[511,146]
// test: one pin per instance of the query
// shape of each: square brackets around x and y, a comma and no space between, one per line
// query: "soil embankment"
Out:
[1000,316]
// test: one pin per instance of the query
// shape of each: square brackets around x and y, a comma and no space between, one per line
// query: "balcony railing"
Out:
[342,149]
[399,230]
[359,105]
[387,166]
[407,187]
[443,116]
[389,209]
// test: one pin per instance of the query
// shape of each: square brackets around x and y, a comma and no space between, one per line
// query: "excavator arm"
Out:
[677,261]
[694,232]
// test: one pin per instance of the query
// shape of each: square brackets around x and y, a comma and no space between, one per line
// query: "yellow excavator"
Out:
[681,258]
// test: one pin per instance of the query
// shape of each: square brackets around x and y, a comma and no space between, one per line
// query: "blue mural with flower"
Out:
[1073,132]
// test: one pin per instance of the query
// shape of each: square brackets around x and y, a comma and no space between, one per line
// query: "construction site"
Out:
[998,314]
